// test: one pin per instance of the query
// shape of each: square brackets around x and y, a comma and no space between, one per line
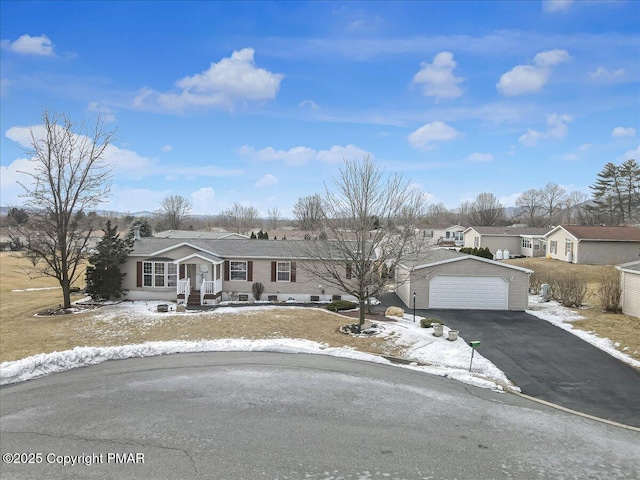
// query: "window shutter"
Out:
[138,274]
[250,271]
[348,270]
[182,270]
[273,271]
[226,270]
[293,271]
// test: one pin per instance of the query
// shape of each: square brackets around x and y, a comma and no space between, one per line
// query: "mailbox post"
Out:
[473,344]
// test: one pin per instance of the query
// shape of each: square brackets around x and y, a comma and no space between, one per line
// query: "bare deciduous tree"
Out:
[69,176]
[486,210]
[240,219]
[353,259]
[309,212]
[174,210]
[273,217]
[553,197]
[574,207]
[529,205]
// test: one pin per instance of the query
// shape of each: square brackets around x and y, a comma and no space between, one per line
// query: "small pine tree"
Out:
[275,238]
[265,236]
[253,236]
[103,276]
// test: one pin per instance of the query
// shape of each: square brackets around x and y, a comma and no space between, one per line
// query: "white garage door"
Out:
[474,293]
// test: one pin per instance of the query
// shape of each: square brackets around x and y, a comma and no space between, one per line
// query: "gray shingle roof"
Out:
[237,248]
[513,231]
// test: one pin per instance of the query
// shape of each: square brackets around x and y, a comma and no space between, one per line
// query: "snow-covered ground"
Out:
[441,356]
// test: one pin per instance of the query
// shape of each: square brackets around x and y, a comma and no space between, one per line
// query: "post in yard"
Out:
[414,307]
[473,344]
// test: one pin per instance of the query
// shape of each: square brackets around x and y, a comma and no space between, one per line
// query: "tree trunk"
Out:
[362,311]
[66,293]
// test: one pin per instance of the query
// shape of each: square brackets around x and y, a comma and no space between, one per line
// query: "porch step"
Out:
[193,300]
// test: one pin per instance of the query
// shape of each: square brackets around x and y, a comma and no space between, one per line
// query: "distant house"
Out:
[526,241]
[216,234]
[594,245]
[445,235]
[442,278]
[630,283]
[202,271]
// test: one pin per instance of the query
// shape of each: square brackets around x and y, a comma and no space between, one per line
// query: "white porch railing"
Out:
[209,287]
[184,288]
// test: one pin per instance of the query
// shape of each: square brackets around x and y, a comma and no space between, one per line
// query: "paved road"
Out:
[547,362]
[278,416]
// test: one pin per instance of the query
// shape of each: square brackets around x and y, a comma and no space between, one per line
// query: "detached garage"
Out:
[447,279]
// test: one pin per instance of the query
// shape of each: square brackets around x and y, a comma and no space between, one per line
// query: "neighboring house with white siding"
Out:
[529,242]
[594,245]
[630,283]
[445,235]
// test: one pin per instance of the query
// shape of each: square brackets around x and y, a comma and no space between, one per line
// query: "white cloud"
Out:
[300,155]
[232,80]
[556,5]
[480,157]
[523,79]
[9,178]
[577,153]
[308,104]
[437,78]
[631,154]
[556,129]
[432,132]
[28,45]
[145,199]
[509,200]
[267,181]
[620,132]
[337,154]
[203,200]
[166,148]
[106,113]
[602,73]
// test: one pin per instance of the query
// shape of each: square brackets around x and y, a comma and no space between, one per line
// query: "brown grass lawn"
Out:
[22,334]
[619,328]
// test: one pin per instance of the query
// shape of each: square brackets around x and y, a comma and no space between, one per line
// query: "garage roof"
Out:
[439,256]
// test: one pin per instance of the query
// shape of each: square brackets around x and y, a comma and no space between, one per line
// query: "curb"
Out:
[568,410]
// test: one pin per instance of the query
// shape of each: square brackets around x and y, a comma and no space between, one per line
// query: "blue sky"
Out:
[259,102]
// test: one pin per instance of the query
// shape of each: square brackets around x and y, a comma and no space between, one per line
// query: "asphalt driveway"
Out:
[547,362]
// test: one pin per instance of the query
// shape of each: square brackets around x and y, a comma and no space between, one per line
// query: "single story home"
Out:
[201,271]
[445,235]
[443,278]
[630,283]
[220,233]
[529,242]
[594,245]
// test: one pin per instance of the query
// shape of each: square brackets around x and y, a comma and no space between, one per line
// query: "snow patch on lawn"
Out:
[443,357]
[553,312]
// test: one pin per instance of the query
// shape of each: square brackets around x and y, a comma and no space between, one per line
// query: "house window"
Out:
[447,235]
[536,244]
[283,272]
[238,271]
[553,247]
[568,247]
[526,243]
[458,236]
[476,241]
[159,274]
